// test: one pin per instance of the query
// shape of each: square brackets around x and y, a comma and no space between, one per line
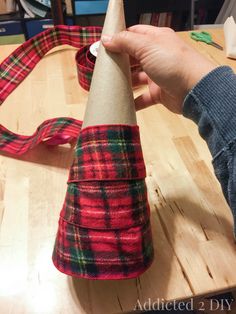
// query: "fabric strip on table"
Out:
[17,66]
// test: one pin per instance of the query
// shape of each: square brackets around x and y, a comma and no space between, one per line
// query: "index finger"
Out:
[149,30]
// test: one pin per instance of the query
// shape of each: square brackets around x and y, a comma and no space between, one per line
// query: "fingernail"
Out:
[106,38]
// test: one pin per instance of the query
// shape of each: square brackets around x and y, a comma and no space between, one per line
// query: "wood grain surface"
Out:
[195,252]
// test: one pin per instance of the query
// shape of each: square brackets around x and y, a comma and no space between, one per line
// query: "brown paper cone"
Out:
[111,99]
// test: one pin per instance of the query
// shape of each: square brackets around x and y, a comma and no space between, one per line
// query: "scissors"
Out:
[204,37]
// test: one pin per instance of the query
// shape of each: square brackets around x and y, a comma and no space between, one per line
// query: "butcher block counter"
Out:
[195,253]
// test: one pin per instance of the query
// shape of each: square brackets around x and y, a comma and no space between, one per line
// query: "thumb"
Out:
[127,42]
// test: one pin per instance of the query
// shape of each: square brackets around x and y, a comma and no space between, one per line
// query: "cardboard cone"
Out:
[111,99]
[104,227]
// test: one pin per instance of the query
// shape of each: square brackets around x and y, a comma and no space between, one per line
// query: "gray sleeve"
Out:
[211,104]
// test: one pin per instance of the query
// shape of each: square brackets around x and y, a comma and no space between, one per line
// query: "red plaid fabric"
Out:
[52,132]
[16,67]
[99,159]
[104,228]
[85,65]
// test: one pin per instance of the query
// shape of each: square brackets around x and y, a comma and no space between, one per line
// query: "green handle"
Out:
[201,36]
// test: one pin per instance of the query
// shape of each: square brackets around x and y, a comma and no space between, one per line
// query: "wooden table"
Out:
[195,253]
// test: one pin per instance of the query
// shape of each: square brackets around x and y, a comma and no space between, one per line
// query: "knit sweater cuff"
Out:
[212,105]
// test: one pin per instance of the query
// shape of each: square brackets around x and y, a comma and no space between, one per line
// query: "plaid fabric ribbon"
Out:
[17,66]
[85,62]
[104,227]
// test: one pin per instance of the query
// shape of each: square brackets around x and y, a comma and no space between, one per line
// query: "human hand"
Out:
[171,67]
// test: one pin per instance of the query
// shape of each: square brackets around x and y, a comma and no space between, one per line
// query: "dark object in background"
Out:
[206,12]
[57,12]
[180,8]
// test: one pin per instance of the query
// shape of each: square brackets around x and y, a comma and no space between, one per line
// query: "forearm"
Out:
[211,104]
